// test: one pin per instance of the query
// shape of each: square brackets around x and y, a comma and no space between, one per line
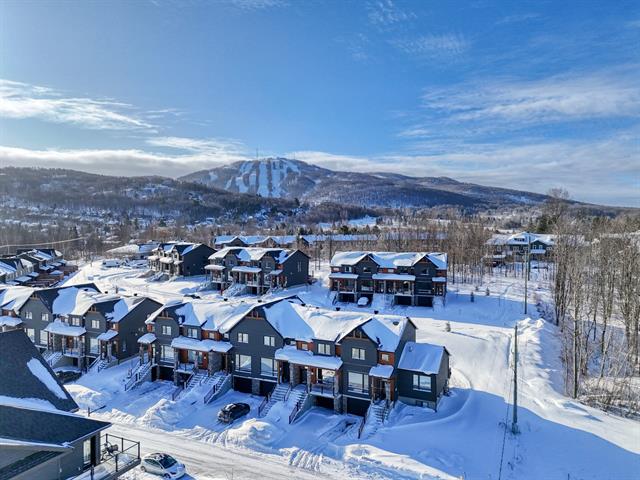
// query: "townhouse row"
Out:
[340,360]
[34,267]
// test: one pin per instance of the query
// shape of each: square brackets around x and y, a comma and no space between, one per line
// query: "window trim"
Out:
[269,340]
[358,356]
[418,386]
[238,364]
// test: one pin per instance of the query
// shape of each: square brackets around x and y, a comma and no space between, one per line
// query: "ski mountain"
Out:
[285,178]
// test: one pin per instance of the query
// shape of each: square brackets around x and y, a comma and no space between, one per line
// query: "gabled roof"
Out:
[13,298]
[307,323]
[422,357]
[32,379]
[248,254]
[389,259]
[49,295]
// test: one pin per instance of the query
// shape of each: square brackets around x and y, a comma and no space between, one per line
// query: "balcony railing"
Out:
[323,389]
[72,352]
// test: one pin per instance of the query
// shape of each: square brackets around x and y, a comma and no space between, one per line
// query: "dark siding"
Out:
[360,366]
[293,274]
[132,327]
[193,263]
[37,308]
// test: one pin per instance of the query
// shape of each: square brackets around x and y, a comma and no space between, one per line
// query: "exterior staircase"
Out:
[377,414]
[219,382]
[140,373]
[235,289]
[52,358]
[295,398]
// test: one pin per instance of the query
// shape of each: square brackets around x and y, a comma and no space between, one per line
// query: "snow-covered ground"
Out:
[466,437]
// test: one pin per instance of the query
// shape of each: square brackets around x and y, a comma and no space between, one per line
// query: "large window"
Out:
[270,340]
[45,317]
[243,337]
[86,452]
[358,382]
[357,353]
[75,321]
[44,337]
[166,329]
[267,367]
[95,324]
[243,363]
[324,349]
[94,345]
[31,333]
[422,383]
[166,353]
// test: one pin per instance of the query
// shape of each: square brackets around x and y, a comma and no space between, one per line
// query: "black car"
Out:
[66,376]
[230,412]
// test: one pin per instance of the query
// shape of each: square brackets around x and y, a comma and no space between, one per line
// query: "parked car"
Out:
[162,464]
[363,301]
[233,411]
[66,376]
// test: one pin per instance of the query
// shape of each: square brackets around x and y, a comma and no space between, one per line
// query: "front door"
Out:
[303,375]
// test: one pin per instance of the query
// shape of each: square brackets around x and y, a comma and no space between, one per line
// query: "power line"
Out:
[43,244]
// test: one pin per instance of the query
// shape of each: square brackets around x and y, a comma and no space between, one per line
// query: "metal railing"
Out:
[176,393]
[295,410]
[287,393]
[118,455]
[264,403]
[323,388]
[363,422]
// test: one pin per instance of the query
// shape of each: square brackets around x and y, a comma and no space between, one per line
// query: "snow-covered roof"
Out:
[206,345]
[60,328]
[76,301]
[343,276]
[304,357]
[381,371]
[244,269]
[122,308]
[248,254]
[147,338]
[394,276]
[256,239]
[389,259]
[6,321]
[108,335]
[14,298]
[520,238]
[215,267]
[421,357]
[307,323]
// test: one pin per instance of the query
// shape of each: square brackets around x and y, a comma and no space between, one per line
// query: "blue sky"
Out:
[528,95]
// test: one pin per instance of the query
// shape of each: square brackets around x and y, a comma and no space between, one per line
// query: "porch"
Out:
[319,373]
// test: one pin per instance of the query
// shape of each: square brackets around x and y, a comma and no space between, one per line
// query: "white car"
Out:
[162,464]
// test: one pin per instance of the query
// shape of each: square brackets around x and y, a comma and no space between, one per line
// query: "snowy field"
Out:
[465,438]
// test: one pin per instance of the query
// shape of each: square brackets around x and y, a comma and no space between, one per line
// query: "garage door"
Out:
[357,406]
[242,384]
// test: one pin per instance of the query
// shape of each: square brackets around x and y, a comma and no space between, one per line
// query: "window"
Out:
[243,337]
[166,353]
[267,367]
[358,382]
[192,333]
[384,357]
[324,349]
[44,337]
[348,269]
[45,317]
[95,324]
[86,452]
[270,340]
[366,269]
[94,345]
[422,383]
[166,329]
[357,353]
[31,333]
[75,321]
[304,346]
[243,363]
[28,315]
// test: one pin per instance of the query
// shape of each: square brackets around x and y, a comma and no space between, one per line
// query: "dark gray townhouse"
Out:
[180,258]
[256,270]
[49,443]
[345,361]
[403,278]
[11,301]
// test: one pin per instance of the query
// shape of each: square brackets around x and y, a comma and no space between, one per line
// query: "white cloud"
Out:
[385,13]
[21,100]
[448,45]
[214,147]
[562,97]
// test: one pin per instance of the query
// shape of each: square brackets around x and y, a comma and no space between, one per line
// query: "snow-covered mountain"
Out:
[285,178]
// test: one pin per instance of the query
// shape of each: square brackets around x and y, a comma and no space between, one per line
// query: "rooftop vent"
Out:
[225,299]
[396,322]
[375,312]
[337,309]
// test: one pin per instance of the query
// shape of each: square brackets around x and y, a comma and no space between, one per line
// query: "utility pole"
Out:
[514,422]
[526,276]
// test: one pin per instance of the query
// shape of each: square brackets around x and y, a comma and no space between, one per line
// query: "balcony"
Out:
[118,455]
[323,389]
[74,352]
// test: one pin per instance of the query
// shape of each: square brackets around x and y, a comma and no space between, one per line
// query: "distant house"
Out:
[403,278]
[11,301]
[180,258]
[258,269]
[506,248]
[34,267]
[40,437]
